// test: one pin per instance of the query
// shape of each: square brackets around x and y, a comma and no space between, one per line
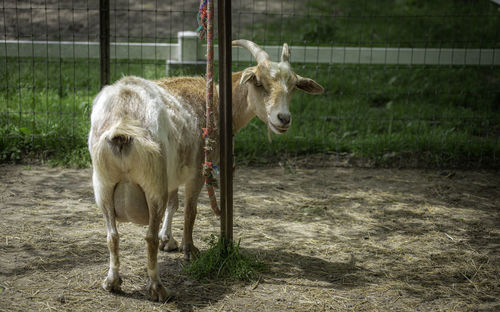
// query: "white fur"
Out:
[158,125]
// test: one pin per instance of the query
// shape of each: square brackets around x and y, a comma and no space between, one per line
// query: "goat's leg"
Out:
[113,281]
[158,292]
[167,241]
[104,199]
[193,188]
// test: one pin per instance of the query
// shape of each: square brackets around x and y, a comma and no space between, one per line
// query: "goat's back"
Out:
[125,140]
[141,129]
[191,92]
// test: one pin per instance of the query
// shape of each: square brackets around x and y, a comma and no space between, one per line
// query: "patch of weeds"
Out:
[314,210]
[288,167]
[224,261]
[76,158]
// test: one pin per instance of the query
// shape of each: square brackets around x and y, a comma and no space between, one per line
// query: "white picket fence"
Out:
[189,49]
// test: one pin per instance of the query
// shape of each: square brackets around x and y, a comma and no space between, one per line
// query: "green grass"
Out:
[223,261]
[439,116]
[395,23]
[436,116]
[45,106]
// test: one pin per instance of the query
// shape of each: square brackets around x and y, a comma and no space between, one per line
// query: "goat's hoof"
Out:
[159,293]
[168,244]
[112,284]
[190,251]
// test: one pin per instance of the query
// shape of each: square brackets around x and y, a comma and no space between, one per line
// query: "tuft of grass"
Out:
[224,261]
[76,158]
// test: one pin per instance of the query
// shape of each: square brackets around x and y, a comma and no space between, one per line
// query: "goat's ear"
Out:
[248,74]
[309,85]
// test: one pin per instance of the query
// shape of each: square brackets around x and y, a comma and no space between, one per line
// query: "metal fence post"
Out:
[225,119]
[104,44]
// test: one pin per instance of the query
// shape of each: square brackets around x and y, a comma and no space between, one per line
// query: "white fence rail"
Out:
[300,54]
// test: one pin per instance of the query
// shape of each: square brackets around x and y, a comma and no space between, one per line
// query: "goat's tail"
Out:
[124,137]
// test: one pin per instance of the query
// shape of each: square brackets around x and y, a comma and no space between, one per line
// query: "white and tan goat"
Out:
[264,91]
[145,141]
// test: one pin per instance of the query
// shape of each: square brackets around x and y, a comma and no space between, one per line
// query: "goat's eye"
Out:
[258,83]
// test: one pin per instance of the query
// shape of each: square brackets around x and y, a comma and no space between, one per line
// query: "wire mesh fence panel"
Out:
[407,83]
[45,98]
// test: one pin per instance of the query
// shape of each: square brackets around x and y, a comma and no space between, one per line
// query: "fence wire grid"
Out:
[407,83]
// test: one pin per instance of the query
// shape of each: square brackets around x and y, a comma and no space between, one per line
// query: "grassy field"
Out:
[397,23]
[443,116]
[384,114]
[438,116]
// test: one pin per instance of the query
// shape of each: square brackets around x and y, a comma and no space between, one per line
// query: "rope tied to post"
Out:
[206,30]
[202,18]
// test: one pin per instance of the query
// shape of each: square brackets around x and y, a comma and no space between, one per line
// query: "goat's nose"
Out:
[284,118]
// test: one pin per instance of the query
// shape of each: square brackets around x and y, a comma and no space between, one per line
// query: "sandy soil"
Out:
[334,239]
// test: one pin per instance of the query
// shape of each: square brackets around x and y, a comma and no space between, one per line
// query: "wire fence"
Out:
[408,83]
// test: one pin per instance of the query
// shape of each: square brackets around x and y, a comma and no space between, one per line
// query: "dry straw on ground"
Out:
[333,239]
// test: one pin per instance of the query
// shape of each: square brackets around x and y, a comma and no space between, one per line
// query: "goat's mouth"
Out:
[277,129]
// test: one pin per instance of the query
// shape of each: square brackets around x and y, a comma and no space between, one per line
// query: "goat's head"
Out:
[271,86]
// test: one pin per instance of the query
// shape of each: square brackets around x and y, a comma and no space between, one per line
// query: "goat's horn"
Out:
[257,52]
[285,54]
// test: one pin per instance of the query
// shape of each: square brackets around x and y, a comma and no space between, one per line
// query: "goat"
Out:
[137,139]
[264,91]
[145,141]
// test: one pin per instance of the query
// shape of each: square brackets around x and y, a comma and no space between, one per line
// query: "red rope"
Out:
[202,19]
[207,10]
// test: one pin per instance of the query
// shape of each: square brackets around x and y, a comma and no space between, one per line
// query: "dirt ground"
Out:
[130,20]
[333,239]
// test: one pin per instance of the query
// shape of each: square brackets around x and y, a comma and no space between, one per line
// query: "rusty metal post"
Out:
[104,35]
[225,119]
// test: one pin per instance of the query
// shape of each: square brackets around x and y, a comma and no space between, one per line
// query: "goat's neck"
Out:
[243,112]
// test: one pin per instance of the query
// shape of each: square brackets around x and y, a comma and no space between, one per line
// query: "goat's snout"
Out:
[284,119]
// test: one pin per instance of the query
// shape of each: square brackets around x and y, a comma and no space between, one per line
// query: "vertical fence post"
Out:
[225,119]
[104,40]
